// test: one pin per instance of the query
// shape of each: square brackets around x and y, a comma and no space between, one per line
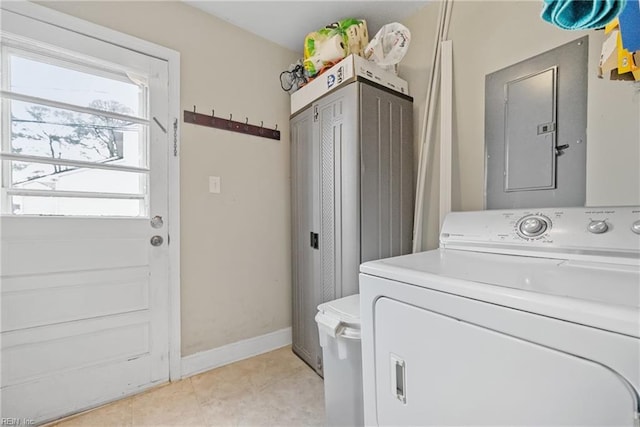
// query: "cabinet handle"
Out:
[398,378]
[314,240]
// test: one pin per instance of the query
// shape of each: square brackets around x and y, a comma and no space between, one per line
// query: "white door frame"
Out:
[172,57]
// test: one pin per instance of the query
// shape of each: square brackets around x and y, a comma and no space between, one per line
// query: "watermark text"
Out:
[17,422]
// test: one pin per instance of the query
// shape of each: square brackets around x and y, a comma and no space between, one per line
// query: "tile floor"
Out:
[272,389]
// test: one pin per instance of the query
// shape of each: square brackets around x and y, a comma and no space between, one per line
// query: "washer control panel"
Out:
[608,231]
[533,226]
[598,226]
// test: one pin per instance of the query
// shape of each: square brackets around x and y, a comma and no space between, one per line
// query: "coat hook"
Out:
[194,113]
[213,112]
[230,116]
[276,127]
[246,120]
[261,123]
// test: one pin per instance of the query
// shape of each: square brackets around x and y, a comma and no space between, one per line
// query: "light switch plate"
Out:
[214,184]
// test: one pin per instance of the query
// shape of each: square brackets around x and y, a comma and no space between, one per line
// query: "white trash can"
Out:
[339,330]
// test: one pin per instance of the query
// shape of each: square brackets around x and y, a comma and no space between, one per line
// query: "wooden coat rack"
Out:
[229,124]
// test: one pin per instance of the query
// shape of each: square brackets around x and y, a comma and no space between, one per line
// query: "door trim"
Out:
[172,57]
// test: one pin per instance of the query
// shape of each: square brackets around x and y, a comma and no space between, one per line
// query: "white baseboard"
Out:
[206,360]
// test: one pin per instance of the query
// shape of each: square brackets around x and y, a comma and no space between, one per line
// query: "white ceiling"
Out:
[288,22]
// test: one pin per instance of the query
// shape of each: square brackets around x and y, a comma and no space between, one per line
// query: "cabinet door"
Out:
[335,128]
[432,369]
[386,123]
[304,204]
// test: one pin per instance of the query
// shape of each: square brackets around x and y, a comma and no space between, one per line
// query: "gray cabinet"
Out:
[352,197]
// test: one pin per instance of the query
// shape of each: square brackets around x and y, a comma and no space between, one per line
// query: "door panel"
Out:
[34,257]
[325,198]
[530,141]
[84,299]
[528,113]
[304,256]
[28,301]
[79,386]
[97,343]
[337,131]
[387,174]
[456,373]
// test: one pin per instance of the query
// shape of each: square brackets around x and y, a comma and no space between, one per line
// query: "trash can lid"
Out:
[340,318]
[345,310]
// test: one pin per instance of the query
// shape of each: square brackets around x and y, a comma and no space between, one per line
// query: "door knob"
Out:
[156,240]
[156,221]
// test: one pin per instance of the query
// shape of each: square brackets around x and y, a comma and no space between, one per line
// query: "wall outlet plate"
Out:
[214,184]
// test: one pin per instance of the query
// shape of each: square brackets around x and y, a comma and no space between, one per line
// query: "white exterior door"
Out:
[84,306]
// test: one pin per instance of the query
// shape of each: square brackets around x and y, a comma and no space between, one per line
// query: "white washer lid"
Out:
[602,295]
[346,310]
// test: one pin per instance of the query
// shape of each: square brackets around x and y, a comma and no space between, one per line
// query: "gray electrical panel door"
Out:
[351,196]
[530,132]
[535,130]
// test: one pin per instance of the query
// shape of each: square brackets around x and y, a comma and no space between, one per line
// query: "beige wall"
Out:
[488,36]
[235,245]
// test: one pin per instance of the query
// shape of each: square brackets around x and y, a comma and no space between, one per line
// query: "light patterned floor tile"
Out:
[272,389]
[117,414]
[171,405]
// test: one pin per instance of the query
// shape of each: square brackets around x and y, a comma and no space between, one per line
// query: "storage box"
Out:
[346,71]
[609,55]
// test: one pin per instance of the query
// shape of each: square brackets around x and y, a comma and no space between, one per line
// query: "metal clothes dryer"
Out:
[521,317]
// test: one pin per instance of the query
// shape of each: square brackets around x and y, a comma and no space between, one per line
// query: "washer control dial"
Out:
[532,226]
[635,227]
[597,227]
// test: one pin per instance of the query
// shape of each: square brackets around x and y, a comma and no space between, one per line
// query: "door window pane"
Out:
[39,130]
[44,177]
[74,147]
[74,86]
[30,205]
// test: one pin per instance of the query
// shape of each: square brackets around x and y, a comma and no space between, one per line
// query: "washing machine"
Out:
[521,317]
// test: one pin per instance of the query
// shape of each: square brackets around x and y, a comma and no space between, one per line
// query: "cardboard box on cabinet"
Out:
[347,70]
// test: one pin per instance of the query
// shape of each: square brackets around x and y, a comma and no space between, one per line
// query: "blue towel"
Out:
[630,26]
[581,14]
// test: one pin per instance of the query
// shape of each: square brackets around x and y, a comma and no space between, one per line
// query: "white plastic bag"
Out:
[389,46]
